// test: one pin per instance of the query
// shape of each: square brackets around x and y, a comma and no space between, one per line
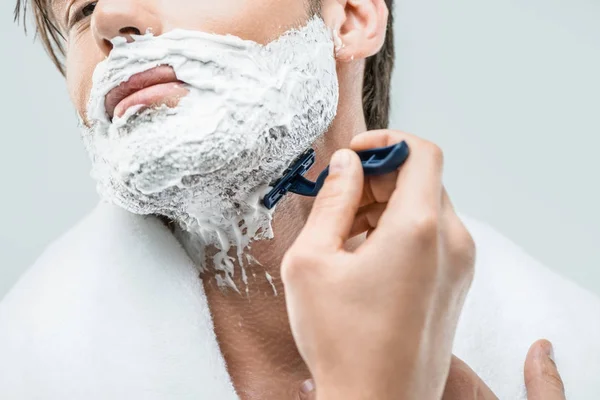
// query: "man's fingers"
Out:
[374,139]
[419,184]
[378,189]
[542,379]
[464,384]
[332,215]
[367,218]
[415,204]
[421,174]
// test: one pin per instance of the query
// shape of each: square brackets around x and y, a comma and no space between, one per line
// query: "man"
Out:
[115,308]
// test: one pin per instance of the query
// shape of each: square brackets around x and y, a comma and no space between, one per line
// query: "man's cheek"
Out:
[81,62]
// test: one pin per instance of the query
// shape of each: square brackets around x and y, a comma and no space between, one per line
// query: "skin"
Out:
[542,379]
[416,265]
[420,264]
[254,332]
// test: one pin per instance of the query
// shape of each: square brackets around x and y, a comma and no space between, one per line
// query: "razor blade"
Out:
[379,161]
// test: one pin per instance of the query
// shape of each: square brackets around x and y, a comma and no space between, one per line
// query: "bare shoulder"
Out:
[112,309]
[516,300]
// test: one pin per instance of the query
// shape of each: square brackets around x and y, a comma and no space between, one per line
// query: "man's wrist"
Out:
[345,392]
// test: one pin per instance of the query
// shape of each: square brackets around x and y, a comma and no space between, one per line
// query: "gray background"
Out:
[509,89]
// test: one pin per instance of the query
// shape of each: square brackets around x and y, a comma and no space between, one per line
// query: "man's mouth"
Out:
[157,86]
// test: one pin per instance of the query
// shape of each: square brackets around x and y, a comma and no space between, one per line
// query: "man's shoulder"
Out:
[515,300]
[43,304]
[65,259]
[85,262]
[502,263]
[50,295]
[112,309]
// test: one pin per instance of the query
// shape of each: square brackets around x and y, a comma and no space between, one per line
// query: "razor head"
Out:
[291,175]
[379,161]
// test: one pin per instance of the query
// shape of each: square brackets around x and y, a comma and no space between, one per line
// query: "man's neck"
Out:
[252,328]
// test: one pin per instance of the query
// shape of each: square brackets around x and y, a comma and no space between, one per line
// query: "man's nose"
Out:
[112,18]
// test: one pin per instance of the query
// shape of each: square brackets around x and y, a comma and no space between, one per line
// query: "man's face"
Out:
[251,109]
[257,95]
[89,27]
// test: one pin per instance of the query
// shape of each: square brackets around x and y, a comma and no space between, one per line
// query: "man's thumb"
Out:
[333,211]
[541,374]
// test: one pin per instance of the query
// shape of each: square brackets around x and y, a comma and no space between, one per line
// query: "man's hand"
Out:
[542,379]
[379,321]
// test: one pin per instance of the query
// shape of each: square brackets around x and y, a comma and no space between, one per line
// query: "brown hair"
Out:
[376,81]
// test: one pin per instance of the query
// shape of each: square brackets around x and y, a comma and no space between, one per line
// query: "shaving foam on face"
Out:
[206,164]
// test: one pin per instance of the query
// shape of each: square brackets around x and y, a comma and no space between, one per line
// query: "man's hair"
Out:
[376,81]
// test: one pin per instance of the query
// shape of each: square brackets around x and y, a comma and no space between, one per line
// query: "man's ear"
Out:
[359,26]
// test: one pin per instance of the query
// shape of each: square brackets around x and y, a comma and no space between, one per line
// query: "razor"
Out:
[375,162]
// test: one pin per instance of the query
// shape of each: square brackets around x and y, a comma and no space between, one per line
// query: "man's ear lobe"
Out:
[359,26]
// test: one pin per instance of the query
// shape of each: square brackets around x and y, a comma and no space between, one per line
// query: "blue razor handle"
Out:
[378,161]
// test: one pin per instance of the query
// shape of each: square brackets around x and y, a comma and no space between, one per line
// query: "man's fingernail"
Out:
[545,351]
[549,349]
[339,161]
[307,387]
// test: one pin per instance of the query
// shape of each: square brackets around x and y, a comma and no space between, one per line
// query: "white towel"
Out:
[115,310]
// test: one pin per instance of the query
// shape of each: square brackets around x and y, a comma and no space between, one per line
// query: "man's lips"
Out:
[153,87]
